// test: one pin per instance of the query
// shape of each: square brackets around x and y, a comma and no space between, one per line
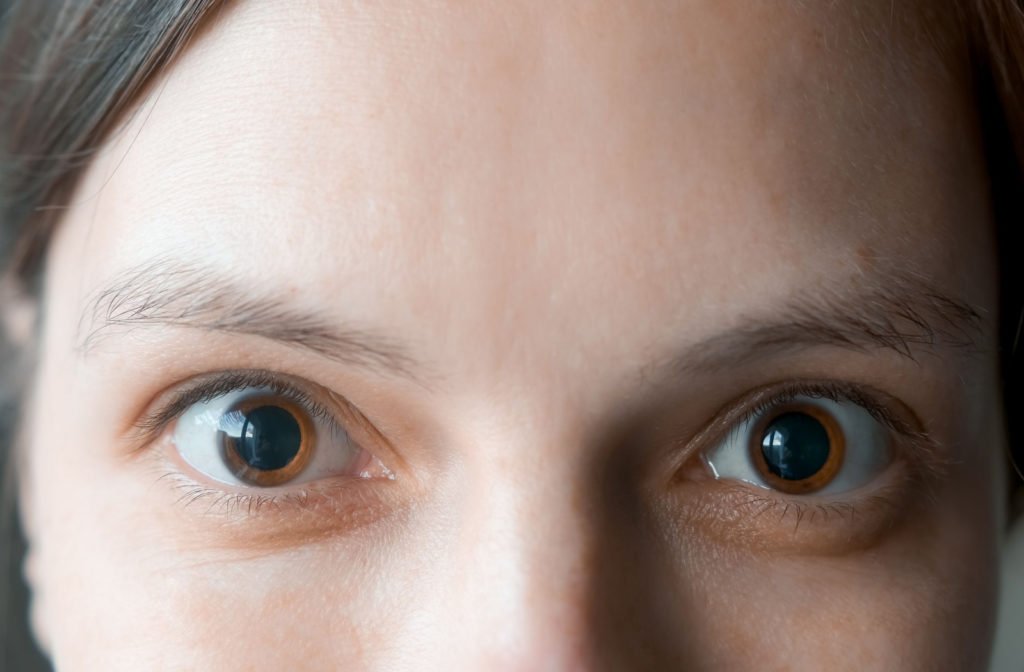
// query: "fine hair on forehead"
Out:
[71,70]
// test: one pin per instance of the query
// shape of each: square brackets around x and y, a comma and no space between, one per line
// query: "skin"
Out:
[541,205]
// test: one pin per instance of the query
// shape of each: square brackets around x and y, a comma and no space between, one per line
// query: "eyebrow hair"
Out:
[893,311]
[175,293]
[899,312]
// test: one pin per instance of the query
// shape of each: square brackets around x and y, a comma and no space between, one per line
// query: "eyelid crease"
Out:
[323,403]
[877,308]
[924,453]
[206,388]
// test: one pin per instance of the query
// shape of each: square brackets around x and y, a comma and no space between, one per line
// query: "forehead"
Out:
[468,165]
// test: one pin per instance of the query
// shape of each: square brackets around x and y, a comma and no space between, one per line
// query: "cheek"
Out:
[921,598]
[122,582]
[123,590]
[882,610]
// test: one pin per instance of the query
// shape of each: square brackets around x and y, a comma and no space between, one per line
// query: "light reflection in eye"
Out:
[261,437]
[803,445]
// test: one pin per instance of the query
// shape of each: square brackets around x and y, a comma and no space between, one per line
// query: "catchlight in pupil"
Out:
[270,438]
[266,441]
[795,446]
[798,449]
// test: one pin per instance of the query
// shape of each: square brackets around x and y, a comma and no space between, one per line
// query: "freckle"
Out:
[866,256]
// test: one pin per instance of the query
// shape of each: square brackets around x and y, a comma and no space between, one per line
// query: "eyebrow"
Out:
[168,292]
[897,312]
[893,311]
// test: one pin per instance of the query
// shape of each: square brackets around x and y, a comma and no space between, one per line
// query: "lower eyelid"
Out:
[190,484]
[212,516]
[750,518]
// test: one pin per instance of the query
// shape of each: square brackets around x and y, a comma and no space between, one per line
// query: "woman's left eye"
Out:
[260,437]
[804,445]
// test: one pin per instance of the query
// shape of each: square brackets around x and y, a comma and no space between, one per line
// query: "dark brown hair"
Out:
[70,70]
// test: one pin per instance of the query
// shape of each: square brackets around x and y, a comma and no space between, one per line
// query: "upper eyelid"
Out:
[167,406]
[841,393]
[916,444]
[924,452]
[203,388]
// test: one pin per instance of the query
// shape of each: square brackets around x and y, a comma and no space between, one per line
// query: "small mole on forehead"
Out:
[866,256]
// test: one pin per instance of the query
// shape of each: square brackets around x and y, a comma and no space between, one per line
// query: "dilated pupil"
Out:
[795,446]
[270,438]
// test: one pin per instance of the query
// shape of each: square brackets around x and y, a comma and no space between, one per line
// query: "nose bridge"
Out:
[524,557]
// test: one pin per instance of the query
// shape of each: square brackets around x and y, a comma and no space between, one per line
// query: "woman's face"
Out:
[615,334]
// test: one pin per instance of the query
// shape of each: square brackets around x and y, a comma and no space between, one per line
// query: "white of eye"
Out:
[200,431]
[865,450]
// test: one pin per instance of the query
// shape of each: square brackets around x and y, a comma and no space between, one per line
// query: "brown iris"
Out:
[271,440]
[798,448]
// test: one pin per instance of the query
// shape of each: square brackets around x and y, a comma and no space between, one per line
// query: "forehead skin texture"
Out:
[539,204]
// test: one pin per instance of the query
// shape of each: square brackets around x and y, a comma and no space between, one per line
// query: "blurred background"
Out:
[19,652]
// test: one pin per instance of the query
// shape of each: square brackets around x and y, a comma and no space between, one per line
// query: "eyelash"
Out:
[833,391]
[153,425]
[248,503]
[878,404]
[207,389]
[925,462]
[917,449]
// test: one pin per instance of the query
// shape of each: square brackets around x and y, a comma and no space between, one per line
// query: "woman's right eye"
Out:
[259,436]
